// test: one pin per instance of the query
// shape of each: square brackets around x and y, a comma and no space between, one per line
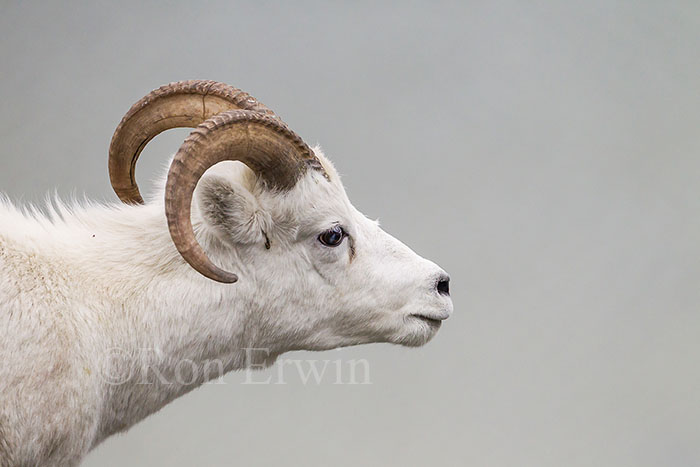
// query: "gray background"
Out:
[546,154]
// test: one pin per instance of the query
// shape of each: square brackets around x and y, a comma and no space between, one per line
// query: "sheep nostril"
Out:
[443,285]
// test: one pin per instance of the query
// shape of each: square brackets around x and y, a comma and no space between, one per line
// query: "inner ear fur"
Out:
[230,210]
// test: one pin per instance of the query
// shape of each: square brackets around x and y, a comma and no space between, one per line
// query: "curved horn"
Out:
[262,142]
[175,105]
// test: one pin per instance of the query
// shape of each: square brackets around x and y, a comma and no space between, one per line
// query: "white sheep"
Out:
[96,300]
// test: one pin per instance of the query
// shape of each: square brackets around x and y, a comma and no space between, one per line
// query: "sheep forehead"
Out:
[314,203]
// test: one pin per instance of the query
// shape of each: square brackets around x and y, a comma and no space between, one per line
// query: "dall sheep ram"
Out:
[86,289]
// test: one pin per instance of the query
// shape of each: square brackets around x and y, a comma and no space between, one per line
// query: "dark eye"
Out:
[332,237]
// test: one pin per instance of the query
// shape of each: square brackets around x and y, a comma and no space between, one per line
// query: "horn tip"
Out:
[225,277]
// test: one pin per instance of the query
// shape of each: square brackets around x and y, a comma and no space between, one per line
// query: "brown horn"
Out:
[175,105]
[261,141]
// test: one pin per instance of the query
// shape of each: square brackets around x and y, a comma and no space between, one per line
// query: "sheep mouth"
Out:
[432,322]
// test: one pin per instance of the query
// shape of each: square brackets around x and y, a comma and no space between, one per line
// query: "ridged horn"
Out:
[175,105]
[261,141]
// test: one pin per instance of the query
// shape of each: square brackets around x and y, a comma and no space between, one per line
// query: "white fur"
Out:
[85,289]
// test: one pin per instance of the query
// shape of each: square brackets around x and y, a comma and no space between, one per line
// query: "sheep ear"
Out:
[230,211]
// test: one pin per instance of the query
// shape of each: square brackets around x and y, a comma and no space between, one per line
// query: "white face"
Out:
[331,277]
[373,287]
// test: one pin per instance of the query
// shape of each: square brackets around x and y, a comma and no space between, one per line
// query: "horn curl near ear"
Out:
[233,126]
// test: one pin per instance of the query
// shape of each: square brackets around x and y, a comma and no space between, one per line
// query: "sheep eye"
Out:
[332,237]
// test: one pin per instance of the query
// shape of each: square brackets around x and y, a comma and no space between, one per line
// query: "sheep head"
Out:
[277,210]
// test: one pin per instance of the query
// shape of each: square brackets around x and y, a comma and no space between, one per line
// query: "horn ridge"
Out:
[175,105]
